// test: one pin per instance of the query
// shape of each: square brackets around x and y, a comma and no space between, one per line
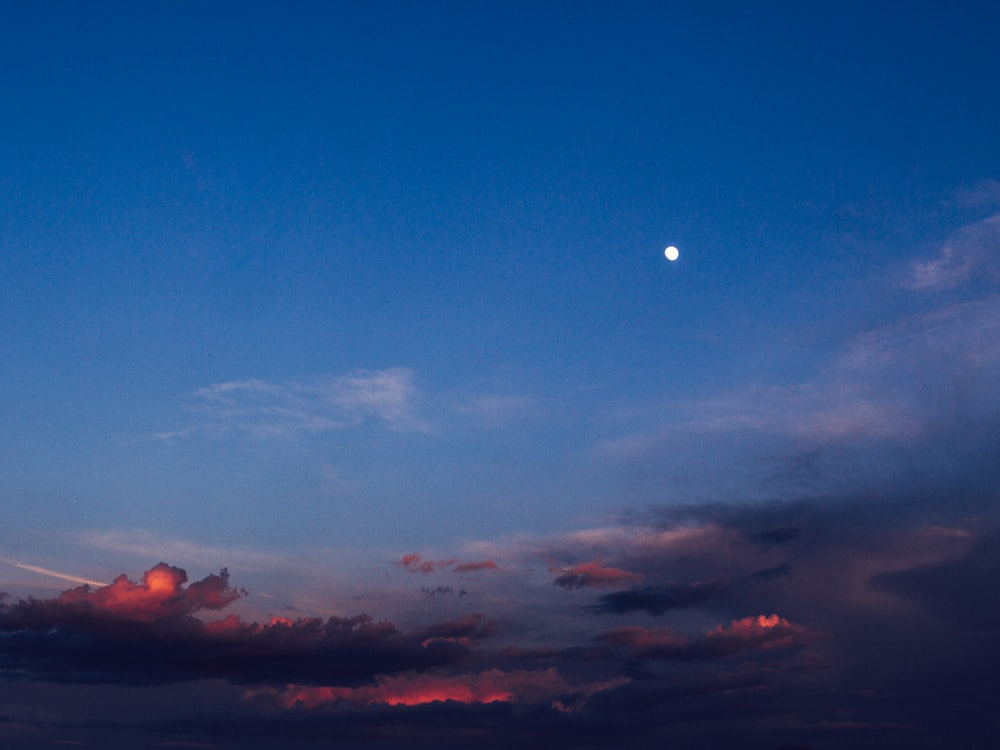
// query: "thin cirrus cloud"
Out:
[974,250]
[264,409]
[909,381]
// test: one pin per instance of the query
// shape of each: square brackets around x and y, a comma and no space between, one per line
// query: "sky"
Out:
[348,398]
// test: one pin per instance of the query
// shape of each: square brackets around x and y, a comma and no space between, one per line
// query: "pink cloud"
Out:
[759,633]
[592,575]
[416,563]
[161,594]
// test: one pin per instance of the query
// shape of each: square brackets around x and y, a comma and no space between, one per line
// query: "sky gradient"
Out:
[349,400]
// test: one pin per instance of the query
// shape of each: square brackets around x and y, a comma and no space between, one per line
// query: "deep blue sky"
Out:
[300,288]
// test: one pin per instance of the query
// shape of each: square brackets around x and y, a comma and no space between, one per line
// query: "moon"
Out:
[671,253]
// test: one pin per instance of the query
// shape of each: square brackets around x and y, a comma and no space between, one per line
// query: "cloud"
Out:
[973,250]
[495,410]
[147,633]
[859,597]
[51,573]
[415,563]
[141,544]
[490,686]
[760,633]
[475,567]
[656,600]
[265,409]
[959,591]
[160,596]
[592,575]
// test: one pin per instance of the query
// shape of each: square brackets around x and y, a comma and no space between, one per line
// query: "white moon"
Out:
[672,253]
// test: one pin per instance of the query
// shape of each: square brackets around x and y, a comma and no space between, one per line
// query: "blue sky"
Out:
[300,290]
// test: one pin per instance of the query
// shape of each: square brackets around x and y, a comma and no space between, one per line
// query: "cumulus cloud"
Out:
[160,596]
[147,632]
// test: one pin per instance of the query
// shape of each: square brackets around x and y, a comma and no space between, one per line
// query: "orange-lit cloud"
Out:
[147,632]
[490,686]
[160,595]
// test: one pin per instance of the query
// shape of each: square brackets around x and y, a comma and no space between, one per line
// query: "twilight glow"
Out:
[355,392]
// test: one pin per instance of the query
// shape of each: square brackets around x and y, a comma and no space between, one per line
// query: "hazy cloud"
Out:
[973,250]
[275,410]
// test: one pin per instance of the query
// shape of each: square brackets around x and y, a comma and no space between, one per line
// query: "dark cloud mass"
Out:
[146,633]
[862,629]
[657,600]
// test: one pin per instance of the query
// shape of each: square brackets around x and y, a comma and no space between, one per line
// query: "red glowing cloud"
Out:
[494,685]
[161,595]
[765,632]
[148,632]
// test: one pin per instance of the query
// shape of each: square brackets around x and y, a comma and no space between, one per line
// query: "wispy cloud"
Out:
[266,409]
[50,573]
[142,544]
[492,410]
[974,249]
[902,381]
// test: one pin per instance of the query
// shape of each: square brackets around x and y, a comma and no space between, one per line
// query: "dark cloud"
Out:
[146,633]
[767,574]
[441,591]
[659,599]
[761,633]
[960,591]
[592,575]
[883,634]
[779,535]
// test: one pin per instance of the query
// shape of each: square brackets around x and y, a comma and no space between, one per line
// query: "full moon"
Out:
[672,253]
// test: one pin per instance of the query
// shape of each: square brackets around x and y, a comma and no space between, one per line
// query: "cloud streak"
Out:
[264,409]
